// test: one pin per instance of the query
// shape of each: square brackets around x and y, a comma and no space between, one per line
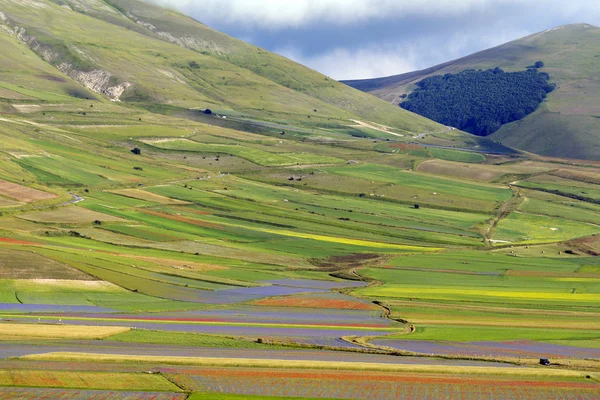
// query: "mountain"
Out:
[567,124]
[148,56]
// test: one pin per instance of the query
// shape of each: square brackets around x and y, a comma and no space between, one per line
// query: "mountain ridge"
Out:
[373,84]
[568,116]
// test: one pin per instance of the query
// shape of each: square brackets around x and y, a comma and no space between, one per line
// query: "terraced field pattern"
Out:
[150,249]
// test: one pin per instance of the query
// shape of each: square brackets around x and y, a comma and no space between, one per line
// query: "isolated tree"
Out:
[417,206]
[136,151]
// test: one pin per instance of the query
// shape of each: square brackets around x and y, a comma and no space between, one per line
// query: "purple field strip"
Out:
[523,348]
[315,284]
[56,394]
[98,347]
[51,308]
[238,295]
[374,389]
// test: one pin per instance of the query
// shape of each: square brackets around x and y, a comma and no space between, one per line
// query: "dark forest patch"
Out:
[477,101]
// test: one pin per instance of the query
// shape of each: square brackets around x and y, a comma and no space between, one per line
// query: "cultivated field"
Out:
[23,193]
[27,332]
[69,215]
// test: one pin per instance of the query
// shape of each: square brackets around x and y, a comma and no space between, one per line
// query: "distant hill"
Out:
[567,124]
[139,53]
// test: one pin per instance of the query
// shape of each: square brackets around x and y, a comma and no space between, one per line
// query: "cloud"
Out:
[378,59]
[281,14]
[358,39]
[362,63]
[278,14]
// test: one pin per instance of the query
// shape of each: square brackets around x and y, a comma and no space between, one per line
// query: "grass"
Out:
[256,155]
[570,188]
[528,228]
[590,344]
[146,196]
[29,265]
[453,155]
[84,293]
[465,334]
[45,331]
[189,339]
[421,181]
[571,210]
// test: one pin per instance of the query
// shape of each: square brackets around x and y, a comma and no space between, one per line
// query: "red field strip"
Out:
[380,377]
[376,385]
[15,241]
[316,303]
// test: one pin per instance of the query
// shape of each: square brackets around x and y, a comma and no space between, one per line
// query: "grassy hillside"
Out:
[145,54]
[567,124]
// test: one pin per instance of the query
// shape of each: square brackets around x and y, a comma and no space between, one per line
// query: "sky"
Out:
[359,39]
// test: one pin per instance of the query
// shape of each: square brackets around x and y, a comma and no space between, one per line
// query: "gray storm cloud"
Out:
[278,14]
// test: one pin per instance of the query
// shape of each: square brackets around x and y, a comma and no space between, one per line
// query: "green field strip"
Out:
[457,333]
[210,323]
[256,155]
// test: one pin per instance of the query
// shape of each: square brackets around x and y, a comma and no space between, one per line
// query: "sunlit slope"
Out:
[567,124]
[108,49]
[180,29]
[25,77]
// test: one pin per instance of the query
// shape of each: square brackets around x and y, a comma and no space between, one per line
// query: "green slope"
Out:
[568,124]
[135,52]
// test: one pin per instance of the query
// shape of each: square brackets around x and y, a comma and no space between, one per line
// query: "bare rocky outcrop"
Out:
[90,6]
[189,42]
[96,79]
